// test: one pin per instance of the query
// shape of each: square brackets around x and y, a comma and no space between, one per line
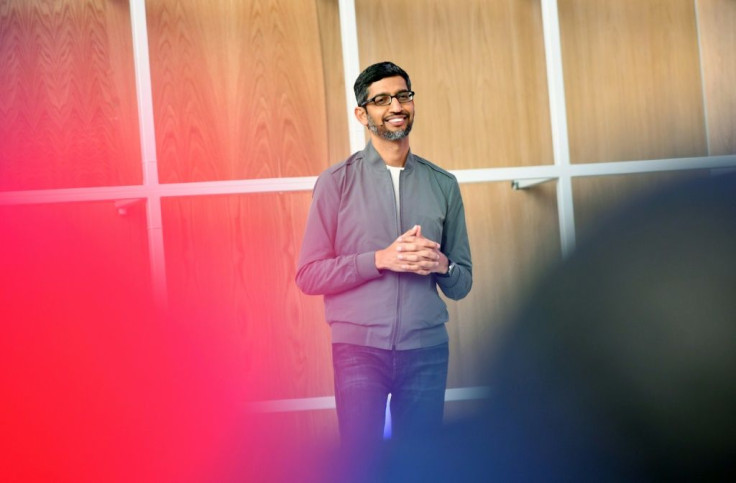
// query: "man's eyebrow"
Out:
[389,94]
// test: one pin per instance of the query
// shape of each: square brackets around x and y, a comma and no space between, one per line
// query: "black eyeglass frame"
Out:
[390,98]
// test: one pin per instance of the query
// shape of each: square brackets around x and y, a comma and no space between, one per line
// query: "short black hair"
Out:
[374,73]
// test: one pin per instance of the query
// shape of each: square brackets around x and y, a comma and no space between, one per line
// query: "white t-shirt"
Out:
[395,173]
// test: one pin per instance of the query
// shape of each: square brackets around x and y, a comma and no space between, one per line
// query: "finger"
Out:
[428,244]
[424,242]
[418,245]
[408,233]
[419,265]
[412,231]
[429,256]
[415,269]
[429,264]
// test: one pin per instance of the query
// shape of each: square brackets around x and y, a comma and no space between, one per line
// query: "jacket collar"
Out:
[371,156]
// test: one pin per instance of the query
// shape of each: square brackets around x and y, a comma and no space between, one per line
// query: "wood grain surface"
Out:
[332,63]
[478,69]
[238,89]
[231,262]
[68,115]
[632,79]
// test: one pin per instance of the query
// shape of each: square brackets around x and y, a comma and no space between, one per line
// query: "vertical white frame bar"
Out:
[558,122]
[351,69]
[148,150]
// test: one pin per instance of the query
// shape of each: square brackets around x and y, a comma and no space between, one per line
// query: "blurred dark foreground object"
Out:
[621,366]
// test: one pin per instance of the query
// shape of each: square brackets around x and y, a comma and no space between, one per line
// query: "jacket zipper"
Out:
[398,274]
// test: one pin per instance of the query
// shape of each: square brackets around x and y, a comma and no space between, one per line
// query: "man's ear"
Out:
[361,115]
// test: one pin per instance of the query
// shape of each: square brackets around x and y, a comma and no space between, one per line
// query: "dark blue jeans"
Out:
[365,376]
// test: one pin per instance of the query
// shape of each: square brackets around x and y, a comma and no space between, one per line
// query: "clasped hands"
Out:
[411,252]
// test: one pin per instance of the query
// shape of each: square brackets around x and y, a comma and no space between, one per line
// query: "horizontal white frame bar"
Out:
[328,402]
[266,185]
[270,185]
[651,166]
[594,169]
[73,194]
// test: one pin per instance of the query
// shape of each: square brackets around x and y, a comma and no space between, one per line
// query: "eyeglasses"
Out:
[386,99]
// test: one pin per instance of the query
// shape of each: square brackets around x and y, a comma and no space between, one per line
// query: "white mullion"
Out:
[558,123]
[566,214]
[351,69]
[144,97]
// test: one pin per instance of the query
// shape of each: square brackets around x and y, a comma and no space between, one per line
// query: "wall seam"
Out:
[704,91]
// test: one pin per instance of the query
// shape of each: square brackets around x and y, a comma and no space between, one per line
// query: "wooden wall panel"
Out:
[717,22]
[238,89]
[231,262]
[597,197]
[478,68]
[632,79]
[68,115]
[514,237]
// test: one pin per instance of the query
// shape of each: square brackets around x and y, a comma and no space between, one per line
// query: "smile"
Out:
[396,121]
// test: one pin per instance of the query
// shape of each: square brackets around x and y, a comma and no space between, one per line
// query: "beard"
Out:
[381,131]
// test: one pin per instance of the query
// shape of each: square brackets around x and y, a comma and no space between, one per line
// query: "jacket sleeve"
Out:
[456,247]
[320,270]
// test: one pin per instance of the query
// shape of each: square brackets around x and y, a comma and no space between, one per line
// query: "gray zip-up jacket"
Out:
[353,214]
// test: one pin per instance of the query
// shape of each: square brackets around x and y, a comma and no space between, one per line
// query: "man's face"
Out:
[394,121]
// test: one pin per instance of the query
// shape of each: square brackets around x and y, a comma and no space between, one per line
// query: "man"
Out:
[385,228]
